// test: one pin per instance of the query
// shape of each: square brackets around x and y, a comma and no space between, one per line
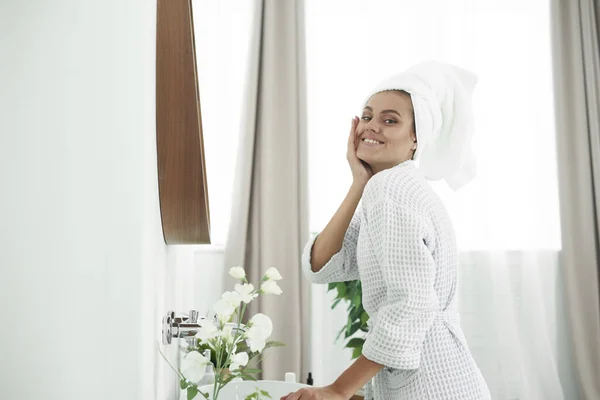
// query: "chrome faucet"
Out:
[184,327]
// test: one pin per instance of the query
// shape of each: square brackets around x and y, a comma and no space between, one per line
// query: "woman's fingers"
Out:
[291,396]
[352,135]
[352,138]
[355,133]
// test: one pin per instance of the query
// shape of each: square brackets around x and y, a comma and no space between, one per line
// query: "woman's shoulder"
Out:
[403,185]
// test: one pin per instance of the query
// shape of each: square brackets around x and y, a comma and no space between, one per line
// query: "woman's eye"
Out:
[366,118]
[390,121]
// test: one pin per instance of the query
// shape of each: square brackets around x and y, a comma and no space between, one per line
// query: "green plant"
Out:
[351,293]
[258,395]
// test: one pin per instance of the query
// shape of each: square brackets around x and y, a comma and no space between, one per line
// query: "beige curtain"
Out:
[269,222]
[576,59]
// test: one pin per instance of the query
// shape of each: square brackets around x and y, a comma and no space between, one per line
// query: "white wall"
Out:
[85,274]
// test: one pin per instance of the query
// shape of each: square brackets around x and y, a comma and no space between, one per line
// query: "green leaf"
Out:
[331,286]
[364,317]
[192,391]
[251,370]
[265,393]
[183,384]
[274,343]
[352,330]
[335,303]
[248,377]
[355,342]
[351,293]
[350,290]
[355,314]
[356,352]
[348,327]
[357,299]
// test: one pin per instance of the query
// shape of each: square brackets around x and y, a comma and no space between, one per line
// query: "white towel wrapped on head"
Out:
[441,96]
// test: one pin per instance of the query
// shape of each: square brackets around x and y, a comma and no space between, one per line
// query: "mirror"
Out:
[180,147]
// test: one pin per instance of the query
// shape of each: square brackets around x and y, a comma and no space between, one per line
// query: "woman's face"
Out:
[386,130]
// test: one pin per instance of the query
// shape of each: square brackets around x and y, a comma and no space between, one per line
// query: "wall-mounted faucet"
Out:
[181,326]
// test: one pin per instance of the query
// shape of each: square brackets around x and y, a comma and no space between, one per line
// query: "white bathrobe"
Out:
[401,245]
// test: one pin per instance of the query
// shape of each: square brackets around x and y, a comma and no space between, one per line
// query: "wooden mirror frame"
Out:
[182,180]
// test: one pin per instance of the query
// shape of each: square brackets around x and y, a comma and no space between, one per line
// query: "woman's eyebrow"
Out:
[391,111]
[384,111]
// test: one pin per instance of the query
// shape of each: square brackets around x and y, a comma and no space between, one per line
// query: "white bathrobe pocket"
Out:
[399,378]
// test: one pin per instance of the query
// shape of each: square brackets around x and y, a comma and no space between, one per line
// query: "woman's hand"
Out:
[361,171]
[319,393]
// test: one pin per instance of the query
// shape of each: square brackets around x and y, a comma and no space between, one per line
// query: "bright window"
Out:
[351,45]
[222,34]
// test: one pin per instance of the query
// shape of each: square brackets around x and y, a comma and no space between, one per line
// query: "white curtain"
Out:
[250,56]
[576,56]
[507,220]
[269,216]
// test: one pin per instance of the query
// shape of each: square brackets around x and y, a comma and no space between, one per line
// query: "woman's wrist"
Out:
[359,185]
[339,391]
[355,377]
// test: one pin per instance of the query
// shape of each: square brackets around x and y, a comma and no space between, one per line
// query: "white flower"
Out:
[262,323]
[233,298]
[256,344]
[193,366]
[227,334]
[237,272]
[270,287]
[224,310]
[245,292]
[260,329]
[273,275]
[208,330]
[239,360]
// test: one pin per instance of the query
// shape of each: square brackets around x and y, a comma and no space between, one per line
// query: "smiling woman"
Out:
[385,137]
[506,220]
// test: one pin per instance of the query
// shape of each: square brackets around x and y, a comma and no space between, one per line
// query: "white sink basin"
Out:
[239,390]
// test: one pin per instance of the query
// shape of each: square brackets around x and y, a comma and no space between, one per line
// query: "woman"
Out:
[415,126]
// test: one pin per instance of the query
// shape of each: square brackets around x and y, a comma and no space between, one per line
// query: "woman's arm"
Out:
[351,380]
[331,239]
[331,257]
[355,377]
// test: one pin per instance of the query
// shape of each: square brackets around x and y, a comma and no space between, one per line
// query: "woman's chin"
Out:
[366,160]
[364,156]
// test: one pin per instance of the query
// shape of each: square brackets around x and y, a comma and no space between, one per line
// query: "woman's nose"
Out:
[372,126]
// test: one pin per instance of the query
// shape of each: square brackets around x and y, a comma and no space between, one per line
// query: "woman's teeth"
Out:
[371,141]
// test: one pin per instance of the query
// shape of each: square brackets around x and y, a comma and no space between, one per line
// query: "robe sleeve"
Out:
[398,329]
[342,265]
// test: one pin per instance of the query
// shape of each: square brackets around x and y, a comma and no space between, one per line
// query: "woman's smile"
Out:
[371,142]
